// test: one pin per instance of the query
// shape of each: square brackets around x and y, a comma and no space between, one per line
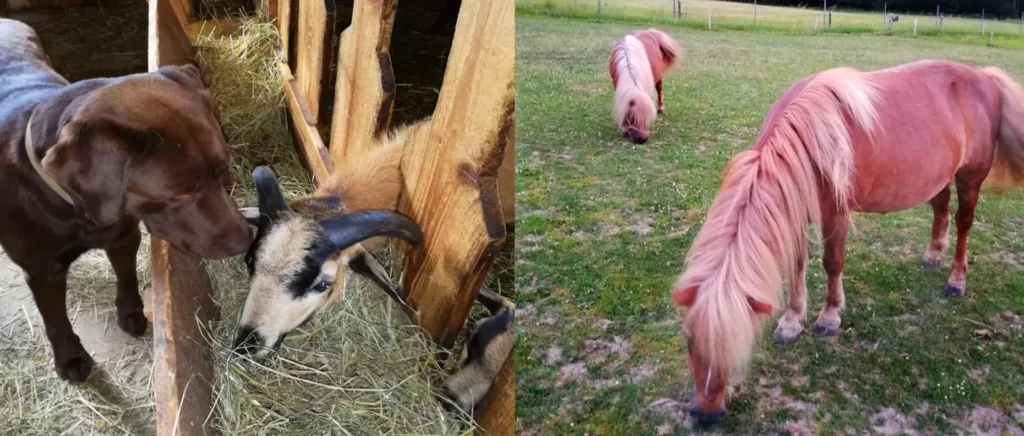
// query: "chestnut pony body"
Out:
[835,142]
[637,64]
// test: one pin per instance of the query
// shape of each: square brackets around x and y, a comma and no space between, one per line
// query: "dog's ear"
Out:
[187,75]
[91,159]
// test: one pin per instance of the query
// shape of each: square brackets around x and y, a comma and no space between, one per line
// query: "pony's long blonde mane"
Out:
[756,228]
[634,89]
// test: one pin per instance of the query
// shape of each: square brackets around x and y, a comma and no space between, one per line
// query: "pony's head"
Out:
[719,346]
[294,261]
[637,113]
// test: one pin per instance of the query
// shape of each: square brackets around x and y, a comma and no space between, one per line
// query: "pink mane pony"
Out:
[835,142]
[637,63]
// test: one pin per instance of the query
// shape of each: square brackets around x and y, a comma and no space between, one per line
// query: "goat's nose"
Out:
[247,341]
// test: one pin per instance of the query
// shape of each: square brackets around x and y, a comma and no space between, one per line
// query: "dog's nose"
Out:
[247,341]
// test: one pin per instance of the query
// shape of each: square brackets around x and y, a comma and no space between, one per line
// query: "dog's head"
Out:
[150,146]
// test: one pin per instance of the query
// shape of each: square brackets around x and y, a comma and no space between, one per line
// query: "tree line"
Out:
[992,8]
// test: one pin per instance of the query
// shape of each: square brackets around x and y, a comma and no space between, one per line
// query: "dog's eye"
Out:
[322,286]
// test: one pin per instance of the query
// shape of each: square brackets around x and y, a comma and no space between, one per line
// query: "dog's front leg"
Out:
[49,289]
[122,254]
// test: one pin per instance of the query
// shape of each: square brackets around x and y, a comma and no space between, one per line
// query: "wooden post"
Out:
[599,11]
[268,8]
[885,13]
[181,291]
[992,38]
[314,47]
[709,18]
[451,168]
[915,26]
[982,22]
[755,11]
[936,15]
[365,90]
[815,25]
[824,11]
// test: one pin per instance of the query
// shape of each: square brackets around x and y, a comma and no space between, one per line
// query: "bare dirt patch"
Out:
[801,427]
[642,224]
[980,373]
[988,421]
[572,371]
[600,351]
[643,372]
[552,355]
[705,146]
[603,323]
[609,229]
[891,422]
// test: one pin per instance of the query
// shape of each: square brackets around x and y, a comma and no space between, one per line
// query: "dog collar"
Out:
[45,175]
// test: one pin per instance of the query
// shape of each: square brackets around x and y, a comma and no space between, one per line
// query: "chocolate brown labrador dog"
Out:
[81,164]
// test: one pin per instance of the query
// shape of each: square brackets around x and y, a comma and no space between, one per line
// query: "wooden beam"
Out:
[284,26]
[268,8]
[496,415]
[168,44]
[182,296]
[183,373]
[365,87]
[451,169]
[318,159]
[216,27]
[313,51]
[183,10]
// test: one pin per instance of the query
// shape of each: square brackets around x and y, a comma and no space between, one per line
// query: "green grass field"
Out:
[740,16]
[603,227]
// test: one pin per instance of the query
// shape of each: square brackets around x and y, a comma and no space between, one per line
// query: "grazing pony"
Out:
[637,63]
[839,141]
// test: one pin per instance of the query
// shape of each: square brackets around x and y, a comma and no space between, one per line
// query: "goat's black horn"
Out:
[271,199]
[351,228]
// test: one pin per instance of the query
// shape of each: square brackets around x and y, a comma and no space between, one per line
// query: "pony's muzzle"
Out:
[636,136]
[715,414]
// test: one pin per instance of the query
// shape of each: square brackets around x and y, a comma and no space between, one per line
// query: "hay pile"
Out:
[359,368]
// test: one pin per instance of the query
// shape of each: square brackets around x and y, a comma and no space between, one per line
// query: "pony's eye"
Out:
[322,286]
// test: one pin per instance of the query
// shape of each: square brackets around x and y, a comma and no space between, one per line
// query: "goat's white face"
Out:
[292,276]
[294,262]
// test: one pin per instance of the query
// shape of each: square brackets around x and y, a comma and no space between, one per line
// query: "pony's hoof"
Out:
[826,328]
[625,134]
[927,263]
[661,110]
[953,291]
[784,335]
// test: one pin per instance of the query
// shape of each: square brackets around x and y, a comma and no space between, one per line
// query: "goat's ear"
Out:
[271,199]
[318,208]
[251,214]
[685,297]
[759,307]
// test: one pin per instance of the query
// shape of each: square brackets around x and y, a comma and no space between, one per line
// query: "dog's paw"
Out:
[76,368]
[132,321]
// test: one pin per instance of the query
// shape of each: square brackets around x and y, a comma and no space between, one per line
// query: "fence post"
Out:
[885,14]
[709,17]
[915,26]
[599,11]
[824,11]
[815,25]
[936,15]
[755,14]
[982,22]
[991,38]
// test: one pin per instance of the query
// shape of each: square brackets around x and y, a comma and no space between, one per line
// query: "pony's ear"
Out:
[759,307]
[685,297]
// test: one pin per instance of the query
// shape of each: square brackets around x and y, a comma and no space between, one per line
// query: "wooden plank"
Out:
[450,171]
[268,8]
[168,44]
[496,415]
[311,146]
[284,26]
[313,51]
[365,86]
[182,294]
[216,27]
[183,10]
[183,374]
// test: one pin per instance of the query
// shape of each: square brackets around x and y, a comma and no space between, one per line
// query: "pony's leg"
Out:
[661,103]
[833,230]
[940,230]
[791,323]
[967,196]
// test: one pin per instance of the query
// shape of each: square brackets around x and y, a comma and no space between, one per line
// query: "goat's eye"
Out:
[322,286]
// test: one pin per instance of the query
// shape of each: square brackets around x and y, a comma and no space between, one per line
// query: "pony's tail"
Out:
[634,105]
[670,49]
[756,229]
[1008,166]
